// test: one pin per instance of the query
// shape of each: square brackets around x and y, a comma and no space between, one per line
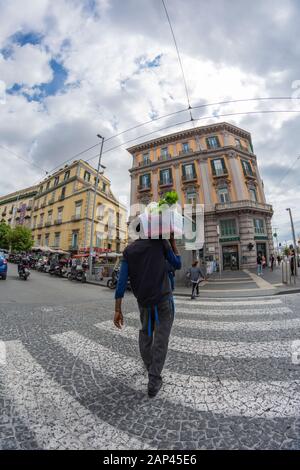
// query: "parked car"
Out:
[3,265]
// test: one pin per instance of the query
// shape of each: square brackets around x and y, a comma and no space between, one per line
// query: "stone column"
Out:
[154,183]
[237,176]
[246,232]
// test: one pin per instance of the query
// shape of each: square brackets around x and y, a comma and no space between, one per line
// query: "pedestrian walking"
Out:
[278,260]
[272,261]
[144,261]
[263,261]
[196,276]
[259,264]
[292,263]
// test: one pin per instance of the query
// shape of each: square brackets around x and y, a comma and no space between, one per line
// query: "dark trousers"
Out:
[154,348]
[195,287]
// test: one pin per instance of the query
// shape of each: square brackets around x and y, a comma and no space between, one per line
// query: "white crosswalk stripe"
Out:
[208,347]
[51,411]
[227,312]
[264,302]
[229,397]
[232,326]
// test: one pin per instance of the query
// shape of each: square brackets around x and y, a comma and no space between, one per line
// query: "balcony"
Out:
[76,217]
[40,225]
[11,211]
[142,187]
[28,208]
[250,174]
[164,157]
[52,201]
[165,184]
[244,204]
[189,178]
[61,198]
[57,222]
[185,152]
[48,224]
[36,208]
[220,174]
[145,163]
[73,247]
[43,205]
[3,214]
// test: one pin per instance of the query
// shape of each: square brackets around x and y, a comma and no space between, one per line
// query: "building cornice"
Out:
[197,131]
[197,155]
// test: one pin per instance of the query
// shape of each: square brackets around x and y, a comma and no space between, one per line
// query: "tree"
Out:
[5,232]
[21,239]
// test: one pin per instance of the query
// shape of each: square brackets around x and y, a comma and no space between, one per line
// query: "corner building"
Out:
[216,166]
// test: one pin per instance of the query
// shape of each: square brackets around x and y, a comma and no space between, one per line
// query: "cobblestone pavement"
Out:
[68,379]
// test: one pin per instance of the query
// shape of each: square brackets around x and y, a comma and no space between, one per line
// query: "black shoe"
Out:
[154,389]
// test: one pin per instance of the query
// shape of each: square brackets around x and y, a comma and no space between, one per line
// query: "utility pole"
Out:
[94,207]
[294,240]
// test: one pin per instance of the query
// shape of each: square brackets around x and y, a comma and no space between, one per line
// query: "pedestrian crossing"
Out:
[61,416]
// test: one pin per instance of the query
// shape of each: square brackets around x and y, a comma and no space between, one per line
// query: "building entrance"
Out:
[261,248]
[230,257]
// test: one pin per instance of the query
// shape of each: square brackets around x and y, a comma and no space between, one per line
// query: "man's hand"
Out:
[118,319]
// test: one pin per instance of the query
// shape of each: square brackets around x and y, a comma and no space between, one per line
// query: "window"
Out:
[100,211]
[185,147]
[60,213]
[87,176]
[78,206]
[34,221]
[188,171]
[48,185]
[103,187]
[164,152]
[41,219]
[111,218]
[253,195]
[56,180]
[238,143]
[145,181]
[213,142]
[247,169]
[165,176]
[41,189]
[119,219]
[146,158]
[39,239]
[218,167]
[99,238]
[74,239]
[47,236]
[67,175]
[57,239]
[49,216]
[63,193]
[228,227]
[191,198]
[259,226]
[223,195]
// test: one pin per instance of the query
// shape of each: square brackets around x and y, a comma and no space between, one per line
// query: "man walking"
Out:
[144,261]
[196,275]
[259,264]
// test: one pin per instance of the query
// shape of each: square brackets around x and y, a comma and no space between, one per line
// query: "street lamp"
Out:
[94,206]
[294,240]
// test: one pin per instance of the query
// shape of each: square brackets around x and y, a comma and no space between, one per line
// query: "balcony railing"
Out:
[243,204]
[73,247]
[76,217]
[57,221]
[250,174]
[188,178]
[142,187]
[40,225]
[166,183]
[28,208]
[52,201]
[48,224]
[163,157]
[145,163]
[43,205]
[3,214]
[186,152]
[220,173]
[36,208]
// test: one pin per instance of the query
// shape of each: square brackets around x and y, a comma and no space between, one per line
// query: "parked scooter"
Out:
[77,274]
[23,270]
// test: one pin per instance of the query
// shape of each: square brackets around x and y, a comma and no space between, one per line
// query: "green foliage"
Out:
[21,239]
[169,198]
[5,232]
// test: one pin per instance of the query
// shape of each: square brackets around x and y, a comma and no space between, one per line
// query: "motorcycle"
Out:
[24,273]
[58,270]
[78,274]
[113,281]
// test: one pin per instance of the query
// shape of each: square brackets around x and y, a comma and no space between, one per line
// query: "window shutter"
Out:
[223,165]
[217,140]
[208,143]
[194,170]
[183,171]
[213,167]
[243,166]
[160,176]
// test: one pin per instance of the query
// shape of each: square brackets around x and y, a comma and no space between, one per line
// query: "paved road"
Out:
[68,379]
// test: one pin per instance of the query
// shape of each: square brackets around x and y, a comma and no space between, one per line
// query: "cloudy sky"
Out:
[70,69]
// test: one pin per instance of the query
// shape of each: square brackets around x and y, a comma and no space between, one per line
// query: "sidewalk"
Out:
[244,283]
